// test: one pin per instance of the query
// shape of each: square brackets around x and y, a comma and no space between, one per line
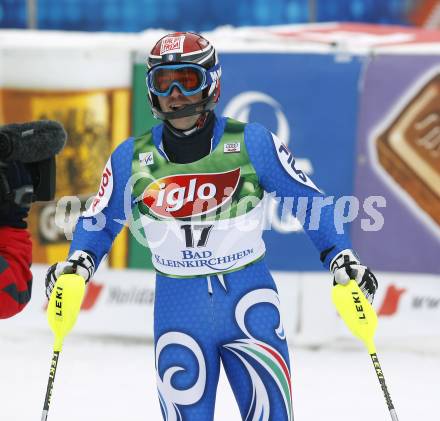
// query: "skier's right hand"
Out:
[346,266]
[79,262]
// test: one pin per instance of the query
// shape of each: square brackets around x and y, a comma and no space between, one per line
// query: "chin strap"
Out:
[188,110]
[199,124]
[201,120]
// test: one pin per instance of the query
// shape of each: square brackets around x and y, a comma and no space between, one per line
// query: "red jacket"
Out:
[15,274]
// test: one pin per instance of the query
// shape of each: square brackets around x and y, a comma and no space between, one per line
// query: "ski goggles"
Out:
[189,78]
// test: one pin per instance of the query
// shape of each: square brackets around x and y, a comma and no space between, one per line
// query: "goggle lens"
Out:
[186,78]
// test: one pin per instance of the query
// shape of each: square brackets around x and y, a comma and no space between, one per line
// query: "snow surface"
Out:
[109,379]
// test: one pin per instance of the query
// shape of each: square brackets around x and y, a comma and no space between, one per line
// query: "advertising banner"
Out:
[310,102]
[120,303]
[399,160]
[74,86]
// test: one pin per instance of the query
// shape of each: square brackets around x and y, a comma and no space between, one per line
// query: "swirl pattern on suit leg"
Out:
[169,396]
[267,356]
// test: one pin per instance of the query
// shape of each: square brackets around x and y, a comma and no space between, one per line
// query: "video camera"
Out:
[30,148]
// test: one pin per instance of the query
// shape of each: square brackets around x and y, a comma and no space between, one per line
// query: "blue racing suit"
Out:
[230,316]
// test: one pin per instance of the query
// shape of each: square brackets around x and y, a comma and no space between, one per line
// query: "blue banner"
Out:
[311,102]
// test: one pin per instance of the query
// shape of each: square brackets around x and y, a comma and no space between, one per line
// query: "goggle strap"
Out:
[213,73]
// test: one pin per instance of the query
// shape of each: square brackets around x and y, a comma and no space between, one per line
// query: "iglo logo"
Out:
[186,195]
[240,107]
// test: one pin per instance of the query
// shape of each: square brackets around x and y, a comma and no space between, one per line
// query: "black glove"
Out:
[346,266]
[16,191]
[79,262]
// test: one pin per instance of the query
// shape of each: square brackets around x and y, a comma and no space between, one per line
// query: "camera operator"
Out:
[27,174]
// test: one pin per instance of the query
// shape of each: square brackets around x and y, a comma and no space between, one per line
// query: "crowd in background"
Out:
[202,15]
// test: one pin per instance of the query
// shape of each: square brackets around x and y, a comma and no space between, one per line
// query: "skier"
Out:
[198,182]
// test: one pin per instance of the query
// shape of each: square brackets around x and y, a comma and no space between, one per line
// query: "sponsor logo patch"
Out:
[171,45]
[146,158]
[186,195]
[231,147]
[104,193]
[287,160]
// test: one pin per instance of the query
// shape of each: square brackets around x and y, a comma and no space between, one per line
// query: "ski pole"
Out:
[62,312]
[361,320]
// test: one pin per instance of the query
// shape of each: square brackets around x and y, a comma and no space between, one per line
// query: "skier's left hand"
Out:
[346,266]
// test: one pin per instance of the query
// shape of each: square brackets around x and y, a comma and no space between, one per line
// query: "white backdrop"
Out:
[120,303]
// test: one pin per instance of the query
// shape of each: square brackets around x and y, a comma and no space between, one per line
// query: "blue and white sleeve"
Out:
[277,174]
[101,223]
